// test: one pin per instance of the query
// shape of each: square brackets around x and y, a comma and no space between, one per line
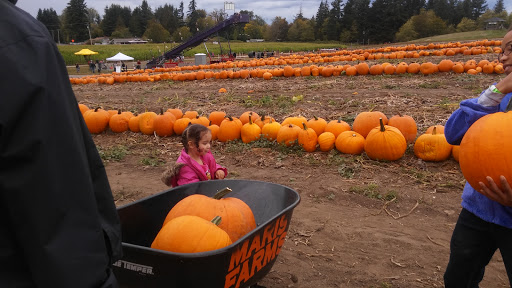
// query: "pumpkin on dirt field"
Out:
[432,147]
[230,129]
[96,120]
[307,138]
[288,134]
[191,234]
[350,142]
[250,131]
[366,121]
[385,142]
[237,217]
[406,125]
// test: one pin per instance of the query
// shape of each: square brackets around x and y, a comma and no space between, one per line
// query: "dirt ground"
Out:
[345,232]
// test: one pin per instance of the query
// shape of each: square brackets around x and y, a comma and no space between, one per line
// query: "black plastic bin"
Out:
[241,264]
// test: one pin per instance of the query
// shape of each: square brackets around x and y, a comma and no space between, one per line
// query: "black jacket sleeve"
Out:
[58,222]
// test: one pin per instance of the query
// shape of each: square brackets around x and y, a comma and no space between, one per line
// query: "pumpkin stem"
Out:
[222,193]
[305,127]
[434,131]
[316,118]
[382,129]
[250,118]
[161,111]
[216,220]
[96,110]
[118,111]
[230,118]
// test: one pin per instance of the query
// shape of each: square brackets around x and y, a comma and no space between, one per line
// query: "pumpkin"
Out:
[216,117]
[191,234]
[244,118]
[297,121]
[84,107]
[176,112]
[237,217]
[317,124]
[201,120]
[270,130]
[264,120]
[96,120]
[350,142]
[307,138]
[366,121]
[413,68]
[214,130]
[432,147]
[133,124]
[486,149]
[163,124]
[456,152]
[362,68]
[180,125]
[326,141]
[406,125]
[146,122]
[229,129]
[223,90]
[439,129]
[445,65]
[119,122]
[336,127]
[385,142]
[288,134]
[267,76]
[191,114]
[250,131]
[376,69]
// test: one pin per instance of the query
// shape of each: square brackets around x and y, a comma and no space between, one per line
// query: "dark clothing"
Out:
[474,242]
[58,222]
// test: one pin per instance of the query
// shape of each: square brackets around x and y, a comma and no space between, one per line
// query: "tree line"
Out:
[349,21]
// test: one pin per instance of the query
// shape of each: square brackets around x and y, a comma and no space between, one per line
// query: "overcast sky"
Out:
[266,9]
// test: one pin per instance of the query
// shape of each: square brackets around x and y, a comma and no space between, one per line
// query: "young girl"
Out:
[196,162]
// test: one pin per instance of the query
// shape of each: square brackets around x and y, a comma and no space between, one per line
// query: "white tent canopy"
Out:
[120,57]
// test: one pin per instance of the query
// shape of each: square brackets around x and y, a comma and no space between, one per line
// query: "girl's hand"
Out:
[219,174]
[494,193]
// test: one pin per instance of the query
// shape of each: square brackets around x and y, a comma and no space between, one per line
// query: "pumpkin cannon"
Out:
[241,264]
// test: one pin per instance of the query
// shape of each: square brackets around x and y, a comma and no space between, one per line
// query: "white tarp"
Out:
[120,57]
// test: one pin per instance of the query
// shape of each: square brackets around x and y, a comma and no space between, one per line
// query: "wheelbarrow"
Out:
[241,264]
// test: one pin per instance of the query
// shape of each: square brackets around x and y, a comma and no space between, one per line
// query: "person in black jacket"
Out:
[59,226]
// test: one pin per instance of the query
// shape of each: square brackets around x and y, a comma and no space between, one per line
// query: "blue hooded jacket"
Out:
[455,128]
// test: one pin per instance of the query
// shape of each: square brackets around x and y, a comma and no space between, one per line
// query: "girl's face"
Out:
[506,56]
[204,144]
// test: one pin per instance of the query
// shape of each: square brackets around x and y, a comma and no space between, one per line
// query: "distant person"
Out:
[59,225]
[77,68]
[138,65]
[196,162]
[99,66]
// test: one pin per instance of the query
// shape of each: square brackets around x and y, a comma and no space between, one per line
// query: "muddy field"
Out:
[347,231]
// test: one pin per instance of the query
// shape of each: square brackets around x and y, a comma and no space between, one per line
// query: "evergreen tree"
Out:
[385,19]
[181,15]
[51,20]
[192,17]
[168,16]
[441,8]
[478,7]
[112,16]
[499,7]
[76,21]
[321,16]
[334,20]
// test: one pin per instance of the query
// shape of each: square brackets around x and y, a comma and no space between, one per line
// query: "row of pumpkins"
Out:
[199,223]
[371,132]
[446,65]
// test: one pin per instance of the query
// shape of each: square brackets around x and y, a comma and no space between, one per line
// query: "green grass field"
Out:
[147,51]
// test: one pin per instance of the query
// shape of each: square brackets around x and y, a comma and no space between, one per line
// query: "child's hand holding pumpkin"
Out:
[219,174]
[493,192]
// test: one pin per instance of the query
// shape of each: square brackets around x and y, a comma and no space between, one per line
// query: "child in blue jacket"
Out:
[485,222]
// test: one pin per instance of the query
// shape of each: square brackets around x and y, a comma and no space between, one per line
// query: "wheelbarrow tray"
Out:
[241,264]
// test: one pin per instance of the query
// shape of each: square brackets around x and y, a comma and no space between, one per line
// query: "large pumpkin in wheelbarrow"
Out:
[241,264]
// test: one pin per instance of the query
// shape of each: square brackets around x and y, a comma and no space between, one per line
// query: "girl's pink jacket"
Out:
[189,171]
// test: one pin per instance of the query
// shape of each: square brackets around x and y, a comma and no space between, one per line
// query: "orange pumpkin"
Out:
[270,130]
[307,138]
[439,129]
[163,124]
[180,125]
[326,141]
[133,124]
[385,142]
[318,124]
[336,127]
[96,120]
[191,234]
[250,131]
[297,121]
[237,217]
[456,152]
[119,122]
[432,147]
[350,142]
[244,118]
[214,130]
[146,122]
[366,121]
[486,149]
[229,129]
[82,107]
[176,112]
[406,125]
[288,134]
[216,117]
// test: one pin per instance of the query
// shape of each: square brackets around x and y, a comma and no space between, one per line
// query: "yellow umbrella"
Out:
[86,52]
